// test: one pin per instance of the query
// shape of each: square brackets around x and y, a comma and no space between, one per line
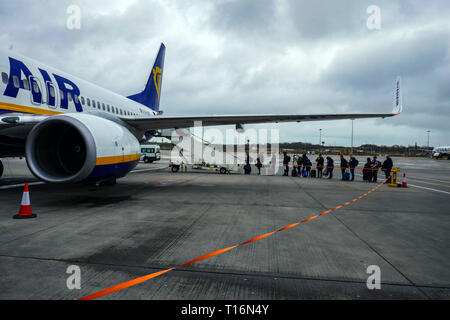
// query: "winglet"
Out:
[398,97]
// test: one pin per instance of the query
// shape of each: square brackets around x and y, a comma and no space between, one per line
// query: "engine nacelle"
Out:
[79,147]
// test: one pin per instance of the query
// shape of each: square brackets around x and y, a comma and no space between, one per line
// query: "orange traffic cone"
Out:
[404,183]
[25,207]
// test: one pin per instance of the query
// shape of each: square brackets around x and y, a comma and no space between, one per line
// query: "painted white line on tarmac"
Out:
[150,169]
[20,185]
[427,179]
[11,186]
[415,186]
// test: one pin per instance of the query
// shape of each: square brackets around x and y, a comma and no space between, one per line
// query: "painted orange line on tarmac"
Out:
[136,281]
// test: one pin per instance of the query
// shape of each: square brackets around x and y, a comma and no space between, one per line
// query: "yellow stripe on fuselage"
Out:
[20,108]
[101,161]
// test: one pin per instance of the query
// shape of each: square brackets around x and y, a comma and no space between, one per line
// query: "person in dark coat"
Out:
[320,161]
[330,167]
[247,167]
[258,165]
[367,171]
[353,163]
[305,165]
[286,161]
[308,167]
[375,166]
[344,165]
[299,165]
[387,167]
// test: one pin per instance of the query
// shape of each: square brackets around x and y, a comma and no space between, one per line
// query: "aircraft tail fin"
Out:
[150,96]
[398,97]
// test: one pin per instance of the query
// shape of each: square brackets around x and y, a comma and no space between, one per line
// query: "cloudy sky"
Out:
[258,56]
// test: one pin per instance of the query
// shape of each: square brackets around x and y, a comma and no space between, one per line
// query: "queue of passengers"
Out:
[302,166]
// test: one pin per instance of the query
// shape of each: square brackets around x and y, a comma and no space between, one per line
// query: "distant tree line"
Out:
[365,149]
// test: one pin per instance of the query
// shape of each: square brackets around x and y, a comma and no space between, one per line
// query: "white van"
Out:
[150,153]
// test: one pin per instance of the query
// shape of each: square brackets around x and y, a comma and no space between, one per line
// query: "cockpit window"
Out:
[5,77]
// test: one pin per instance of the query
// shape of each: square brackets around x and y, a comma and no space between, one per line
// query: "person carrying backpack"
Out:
[330,167]
[387,167]
[320,161]
[375,166]
[367,171]
[344,165]
[353,163]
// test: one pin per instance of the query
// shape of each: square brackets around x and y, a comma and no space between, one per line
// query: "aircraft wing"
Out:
[186,122]
[162,122]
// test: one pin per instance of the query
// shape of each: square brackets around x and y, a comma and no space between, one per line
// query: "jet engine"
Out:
[75,148]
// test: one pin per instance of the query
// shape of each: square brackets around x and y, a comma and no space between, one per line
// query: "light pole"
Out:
[320,140]
[428,140]
[352,137]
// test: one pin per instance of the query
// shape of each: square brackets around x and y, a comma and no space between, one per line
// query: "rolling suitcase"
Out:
[294,172]
[346,176]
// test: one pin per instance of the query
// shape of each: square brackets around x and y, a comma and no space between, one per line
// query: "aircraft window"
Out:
[103,106]
[5,77]
[75,97]
[52,91]
[26,84]
[107,107]
[121,112]
[35,87]
[69,95]
[112,109]
[93,103]
[88,102]
[98,105]
[82,100]
[16,82]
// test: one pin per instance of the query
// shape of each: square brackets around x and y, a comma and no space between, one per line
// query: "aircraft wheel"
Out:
[223,170]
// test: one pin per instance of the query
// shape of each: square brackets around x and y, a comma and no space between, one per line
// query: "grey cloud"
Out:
[257,57]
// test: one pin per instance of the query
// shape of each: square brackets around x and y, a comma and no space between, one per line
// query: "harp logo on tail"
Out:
[157,78]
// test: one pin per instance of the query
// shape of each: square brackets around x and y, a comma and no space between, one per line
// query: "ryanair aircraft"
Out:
[72,131]
[441,152]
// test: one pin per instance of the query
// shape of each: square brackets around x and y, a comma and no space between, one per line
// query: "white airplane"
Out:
[73,131]
[441,152]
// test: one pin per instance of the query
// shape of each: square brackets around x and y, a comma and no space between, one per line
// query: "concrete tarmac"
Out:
[154,219]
